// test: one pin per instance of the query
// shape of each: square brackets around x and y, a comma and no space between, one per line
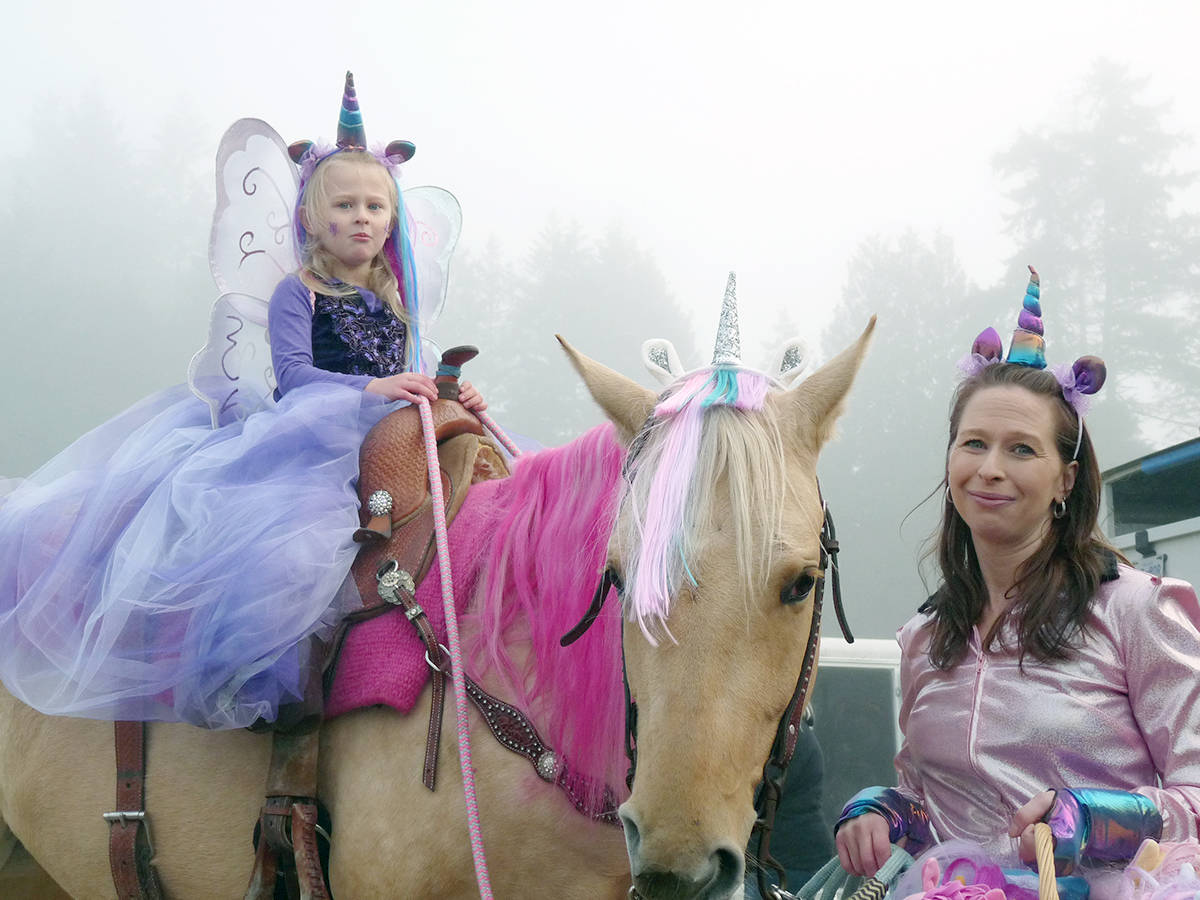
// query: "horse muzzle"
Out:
[716,876]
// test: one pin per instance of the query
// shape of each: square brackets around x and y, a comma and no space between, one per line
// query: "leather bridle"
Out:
[766,801]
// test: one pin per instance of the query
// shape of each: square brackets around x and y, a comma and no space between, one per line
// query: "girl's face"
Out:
[1004,469]
[357,216]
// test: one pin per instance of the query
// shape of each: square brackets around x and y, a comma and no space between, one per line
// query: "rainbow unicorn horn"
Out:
[728,349]
[350,132]
[1028,347]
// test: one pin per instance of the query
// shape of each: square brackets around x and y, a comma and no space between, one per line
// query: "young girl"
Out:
[160,569]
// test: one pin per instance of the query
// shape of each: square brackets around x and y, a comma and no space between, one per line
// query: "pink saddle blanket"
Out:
[383,660]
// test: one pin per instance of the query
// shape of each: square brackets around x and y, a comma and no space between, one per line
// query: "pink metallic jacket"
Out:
[984,737]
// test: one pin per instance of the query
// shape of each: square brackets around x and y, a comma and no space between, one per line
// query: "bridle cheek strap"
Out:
[784,747]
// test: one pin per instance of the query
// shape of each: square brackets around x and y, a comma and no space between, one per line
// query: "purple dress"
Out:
[158,569]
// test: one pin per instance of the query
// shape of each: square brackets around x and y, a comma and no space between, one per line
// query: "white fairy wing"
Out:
[253,245]
[434,222]
[232,373]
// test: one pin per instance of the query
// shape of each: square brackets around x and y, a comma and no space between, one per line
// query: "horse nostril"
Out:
[730,868]
[633,837]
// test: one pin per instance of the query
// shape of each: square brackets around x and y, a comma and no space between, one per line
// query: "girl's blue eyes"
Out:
[345,204]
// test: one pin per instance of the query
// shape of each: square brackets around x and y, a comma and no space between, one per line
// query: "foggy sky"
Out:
[762,137]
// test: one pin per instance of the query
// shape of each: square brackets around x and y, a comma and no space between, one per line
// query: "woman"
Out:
[1045,680]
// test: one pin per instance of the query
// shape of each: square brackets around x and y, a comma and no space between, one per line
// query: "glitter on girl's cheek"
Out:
[333,228]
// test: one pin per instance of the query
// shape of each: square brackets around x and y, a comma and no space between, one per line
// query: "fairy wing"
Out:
[253,243]
[252,246]
[434,222]
[232,372]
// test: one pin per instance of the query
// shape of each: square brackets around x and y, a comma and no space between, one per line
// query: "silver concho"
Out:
[396,578]
[547,765]
[379,503]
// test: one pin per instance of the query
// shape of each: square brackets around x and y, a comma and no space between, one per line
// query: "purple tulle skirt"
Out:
[158,569]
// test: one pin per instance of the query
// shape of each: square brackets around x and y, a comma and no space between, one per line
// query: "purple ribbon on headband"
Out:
[1077,387]
[318,154]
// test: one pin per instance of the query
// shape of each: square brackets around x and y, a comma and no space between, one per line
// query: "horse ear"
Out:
[623,400]
[817,401]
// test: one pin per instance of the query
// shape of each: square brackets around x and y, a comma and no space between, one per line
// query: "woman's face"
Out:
[1004,469]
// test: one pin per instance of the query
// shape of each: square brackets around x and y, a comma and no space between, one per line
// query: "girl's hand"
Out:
[469,397]
[405,386]
[863,845]
[1023,821]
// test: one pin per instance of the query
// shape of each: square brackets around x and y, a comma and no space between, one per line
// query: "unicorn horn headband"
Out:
[351,135]
[1028,348]
[662,361]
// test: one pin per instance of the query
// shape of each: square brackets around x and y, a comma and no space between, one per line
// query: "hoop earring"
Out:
[1059,508]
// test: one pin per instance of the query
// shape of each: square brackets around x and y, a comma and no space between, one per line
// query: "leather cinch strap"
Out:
[129,848]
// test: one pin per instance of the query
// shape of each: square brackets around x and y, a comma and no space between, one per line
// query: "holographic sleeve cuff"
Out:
[905,817]
[1097,824]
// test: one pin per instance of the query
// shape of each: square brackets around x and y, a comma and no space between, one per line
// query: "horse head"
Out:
[715,554]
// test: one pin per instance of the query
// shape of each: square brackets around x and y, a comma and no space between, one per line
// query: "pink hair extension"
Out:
[665,520]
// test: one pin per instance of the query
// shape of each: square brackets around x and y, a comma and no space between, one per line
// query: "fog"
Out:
[613,163]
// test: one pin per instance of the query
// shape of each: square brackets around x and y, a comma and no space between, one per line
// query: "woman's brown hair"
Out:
[1055,585]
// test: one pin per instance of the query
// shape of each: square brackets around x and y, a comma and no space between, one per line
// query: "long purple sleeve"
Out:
[289,326]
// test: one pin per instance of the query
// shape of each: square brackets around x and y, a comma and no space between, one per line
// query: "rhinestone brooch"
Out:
[379,503]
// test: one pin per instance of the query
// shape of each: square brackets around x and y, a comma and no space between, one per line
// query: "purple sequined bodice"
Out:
[349,338]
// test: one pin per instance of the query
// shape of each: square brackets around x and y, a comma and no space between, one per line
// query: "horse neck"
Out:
[550,523]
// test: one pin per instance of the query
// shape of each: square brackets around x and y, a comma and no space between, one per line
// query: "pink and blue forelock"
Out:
[667,517]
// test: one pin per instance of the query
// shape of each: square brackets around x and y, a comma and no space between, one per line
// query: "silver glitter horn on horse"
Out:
[662,361]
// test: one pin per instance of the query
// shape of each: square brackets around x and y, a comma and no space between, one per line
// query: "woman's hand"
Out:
[405,386]
[863,845]
[470,397]
[1023,821]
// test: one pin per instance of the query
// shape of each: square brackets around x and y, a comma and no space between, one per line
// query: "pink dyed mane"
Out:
[535,579]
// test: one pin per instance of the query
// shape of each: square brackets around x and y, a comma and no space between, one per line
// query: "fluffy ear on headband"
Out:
[661,360]
[1090,373]
[794,361]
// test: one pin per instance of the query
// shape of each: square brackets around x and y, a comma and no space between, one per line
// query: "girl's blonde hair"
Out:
[318,262]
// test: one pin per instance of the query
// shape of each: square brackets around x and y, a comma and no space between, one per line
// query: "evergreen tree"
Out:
[605,296]
[1095,211]
[890,452]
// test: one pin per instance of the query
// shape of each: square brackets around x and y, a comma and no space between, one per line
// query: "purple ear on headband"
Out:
[988,345]
[1090,373]
[297,149]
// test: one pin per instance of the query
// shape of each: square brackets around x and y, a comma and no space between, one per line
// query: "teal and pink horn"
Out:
[1028,347]
[350,130]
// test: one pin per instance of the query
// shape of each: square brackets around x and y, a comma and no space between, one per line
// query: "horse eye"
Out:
[796,591]
[617,582]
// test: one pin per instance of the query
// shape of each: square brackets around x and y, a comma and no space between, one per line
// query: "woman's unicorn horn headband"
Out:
[1028,348]
[660,358]
[351,135]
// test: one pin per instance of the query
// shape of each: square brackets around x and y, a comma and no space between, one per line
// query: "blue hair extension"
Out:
[402,244]
[725,389]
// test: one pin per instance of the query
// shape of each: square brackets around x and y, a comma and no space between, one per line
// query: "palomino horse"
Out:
[710,527]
